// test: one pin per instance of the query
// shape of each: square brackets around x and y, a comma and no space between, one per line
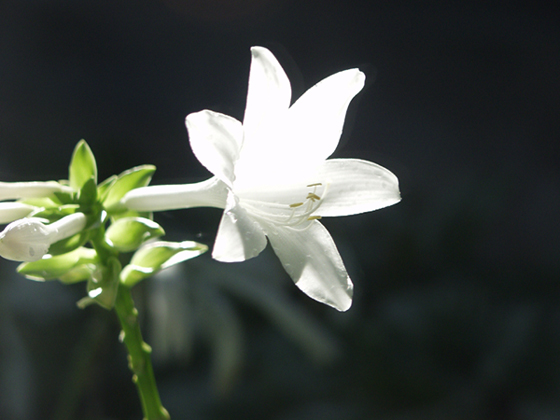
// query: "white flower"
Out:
[273,179]
[16,190]
[11,211]
[30,239]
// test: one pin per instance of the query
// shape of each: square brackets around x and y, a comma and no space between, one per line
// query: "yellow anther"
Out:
[313,217]
[313,197]
[296,205]
[315,185]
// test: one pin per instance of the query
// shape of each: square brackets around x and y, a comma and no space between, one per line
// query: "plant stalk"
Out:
[139,360]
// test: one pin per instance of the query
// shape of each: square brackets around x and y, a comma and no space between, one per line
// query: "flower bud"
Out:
[25,240]
[16,190]
[11,211]
[30,239]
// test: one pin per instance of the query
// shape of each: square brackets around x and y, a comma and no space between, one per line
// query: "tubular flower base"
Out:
[16,190]
[273,179]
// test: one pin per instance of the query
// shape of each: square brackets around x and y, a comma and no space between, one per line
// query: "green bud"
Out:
[58,266]
[157,256]
[129,233]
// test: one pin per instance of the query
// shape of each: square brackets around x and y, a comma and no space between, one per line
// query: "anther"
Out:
[312,196]
[296,205]
[314,217]
[315,185]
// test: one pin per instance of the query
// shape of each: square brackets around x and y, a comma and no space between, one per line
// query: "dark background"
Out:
[456,311]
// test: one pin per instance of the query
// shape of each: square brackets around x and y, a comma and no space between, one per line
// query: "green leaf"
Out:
[82,166]
[64,197]
[55,213]
[69,244]
[156,256]
[103,188]
[46,202]
[55,267]
[88,193]
[140,176]
[129,233]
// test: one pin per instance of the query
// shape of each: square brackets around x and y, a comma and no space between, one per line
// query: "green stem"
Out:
[139,352]
[139,357]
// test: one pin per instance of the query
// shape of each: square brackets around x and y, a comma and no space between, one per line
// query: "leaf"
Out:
[156,256]
[82,166]
[103,187]
[140,176]
[55,267]
[88,193]
[129,233]
[46,202]
[55,213]
[69,244]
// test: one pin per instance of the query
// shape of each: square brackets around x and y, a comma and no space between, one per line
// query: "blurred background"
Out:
[456,311]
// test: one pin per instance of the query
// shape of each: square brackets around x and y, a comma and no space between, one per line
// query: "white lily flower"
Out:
[30,239]
[36,189]
[11,211]
[273,179]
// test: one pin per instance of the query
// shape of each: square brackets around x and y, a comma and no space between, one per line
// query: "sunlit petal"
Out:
[215,140]
[296,141]
[356,186]
[311,259]
[268,96]
[315,121]
[239,236]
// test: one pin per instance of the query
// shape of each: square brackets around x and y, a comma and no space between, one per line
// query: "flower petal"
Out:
[239,237]
[311,259]
[268,95]
[355,186]
[11,211]
[315,121]
[209,193]
[215,140]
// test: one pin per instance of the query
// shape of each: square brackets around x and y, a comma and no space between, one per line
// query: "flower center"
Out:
[296,215]
[302,212]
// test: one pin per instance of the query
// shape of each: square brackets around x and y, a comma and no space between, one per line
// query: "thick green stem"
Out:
[139,357]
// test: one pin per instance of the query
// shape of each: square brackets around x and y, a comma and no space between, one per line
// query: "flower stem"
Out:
[139,357]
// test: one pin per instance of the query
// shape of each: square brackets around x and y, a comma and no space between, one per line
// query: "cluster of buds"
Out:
[74,230]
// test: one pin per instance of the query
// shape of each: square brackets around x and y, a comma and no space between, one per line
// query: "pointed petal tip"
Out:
[340,299]
[258,50]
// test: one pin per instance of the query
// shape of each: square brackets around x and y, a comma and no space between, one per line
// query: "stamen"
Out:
[297,215]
